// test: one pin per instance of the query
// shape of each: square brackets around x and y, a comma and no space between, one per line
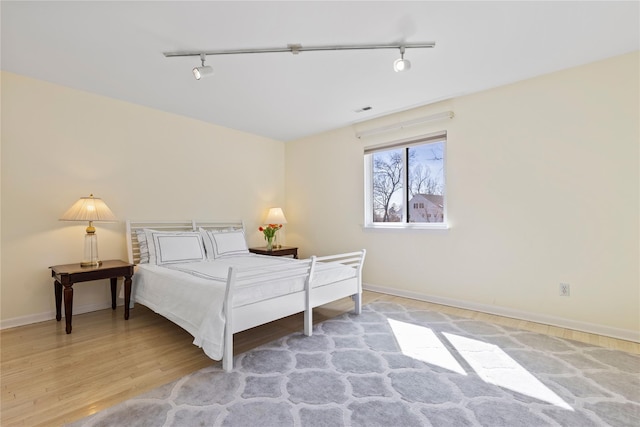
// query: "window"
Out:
[405,183]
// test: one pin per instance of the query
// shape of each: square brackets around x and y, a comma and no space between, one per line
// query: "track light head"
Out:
[401,64]
[204,70]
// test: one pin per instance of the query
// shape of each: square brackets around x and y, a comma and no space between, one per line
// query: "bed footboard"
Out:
[351,286]
[239,318]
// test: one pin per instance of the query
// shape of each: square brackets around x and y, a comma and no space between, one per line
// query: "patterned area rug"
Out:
[399,366]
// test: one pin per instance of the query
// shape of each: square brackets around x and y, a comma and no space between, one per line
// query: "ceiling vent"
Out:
[360,110]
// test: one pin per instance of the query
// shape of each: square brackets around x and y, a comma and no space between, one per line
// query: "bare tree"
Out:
[387,178]
[421,180]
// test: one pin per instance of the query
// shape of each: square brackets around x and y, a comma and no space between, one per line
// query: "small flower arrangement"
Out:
[270,230]
[269,233]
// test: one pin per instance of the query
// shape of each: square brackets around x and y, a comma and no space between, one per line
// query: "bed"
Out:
[201,276]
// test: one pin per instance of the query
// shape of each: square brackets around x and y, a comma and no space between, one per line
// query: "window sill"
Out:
[410,226]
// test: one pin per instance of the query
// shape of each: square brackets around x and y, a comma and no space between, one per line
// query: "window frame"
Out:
[368,183]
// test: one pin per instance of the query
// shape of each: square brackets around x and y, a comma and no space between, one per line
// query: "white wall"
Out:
[543,187]
[542,175]
[59,144]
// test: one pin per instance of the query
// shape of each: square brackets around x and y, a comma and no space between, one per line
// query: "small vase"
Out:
[269,243]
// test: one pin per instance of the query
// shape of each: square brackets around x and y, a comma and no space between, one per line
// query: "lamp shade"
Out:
[275,216]
[89,209]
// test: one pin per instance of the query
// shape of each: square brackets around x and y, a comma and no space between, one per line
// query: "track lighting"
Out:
[401,64]
[398,65]
[204,70]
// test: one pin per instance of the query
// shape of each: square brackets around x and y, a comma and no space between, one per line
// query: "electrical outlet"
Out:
[565,290]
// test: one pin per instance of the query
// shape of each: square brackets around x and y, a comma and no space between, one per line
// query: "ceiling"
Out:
[115,49]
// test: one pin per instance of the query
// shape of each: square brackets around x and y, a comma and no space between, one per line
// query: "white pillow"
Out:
[167,247]
[224,243]
[144,247]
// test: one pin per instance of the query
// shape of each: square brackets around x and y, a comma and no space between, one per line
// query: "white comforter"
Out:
[192,294]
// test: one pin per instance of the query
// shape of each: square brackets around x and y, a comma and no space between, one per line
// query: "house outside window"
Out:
[405,183]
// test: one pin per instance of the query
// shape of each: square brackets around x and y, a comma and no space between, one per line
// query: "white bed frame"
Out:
[242,317]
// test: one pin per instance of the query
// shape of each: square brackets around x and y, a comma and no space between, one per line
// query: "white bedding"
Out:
[192,294]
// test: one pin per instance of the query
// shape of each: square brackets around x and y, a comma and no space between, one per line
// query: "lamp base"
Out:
[90,258]
[91,263]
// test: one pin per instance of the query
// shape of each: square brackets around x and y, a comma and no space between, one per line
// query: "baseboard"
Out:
[50,315]
[623,334]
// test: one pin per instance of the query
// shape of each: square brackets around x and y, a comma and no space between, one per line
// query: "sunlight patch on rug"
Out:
[421,343]
[495,366]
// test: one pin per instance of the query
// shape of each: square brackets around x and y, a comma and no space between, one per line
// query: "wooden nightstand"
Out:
[281,251]
[67,275]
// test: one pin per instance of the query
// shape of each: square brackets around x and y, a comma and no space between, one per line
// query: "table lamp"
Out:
[275,216]
[89,209]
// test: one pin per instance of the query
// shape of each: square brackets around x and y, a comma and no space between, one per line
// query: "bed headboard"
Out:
[133,248]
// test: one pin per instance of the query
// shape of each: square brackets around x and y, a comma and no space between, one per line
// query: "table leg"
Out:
[58,291]
[114,282]
[127,296]
[68,305]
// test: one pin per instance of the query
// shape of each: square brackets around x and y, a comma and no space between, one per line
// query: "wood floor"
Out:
[49,378]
